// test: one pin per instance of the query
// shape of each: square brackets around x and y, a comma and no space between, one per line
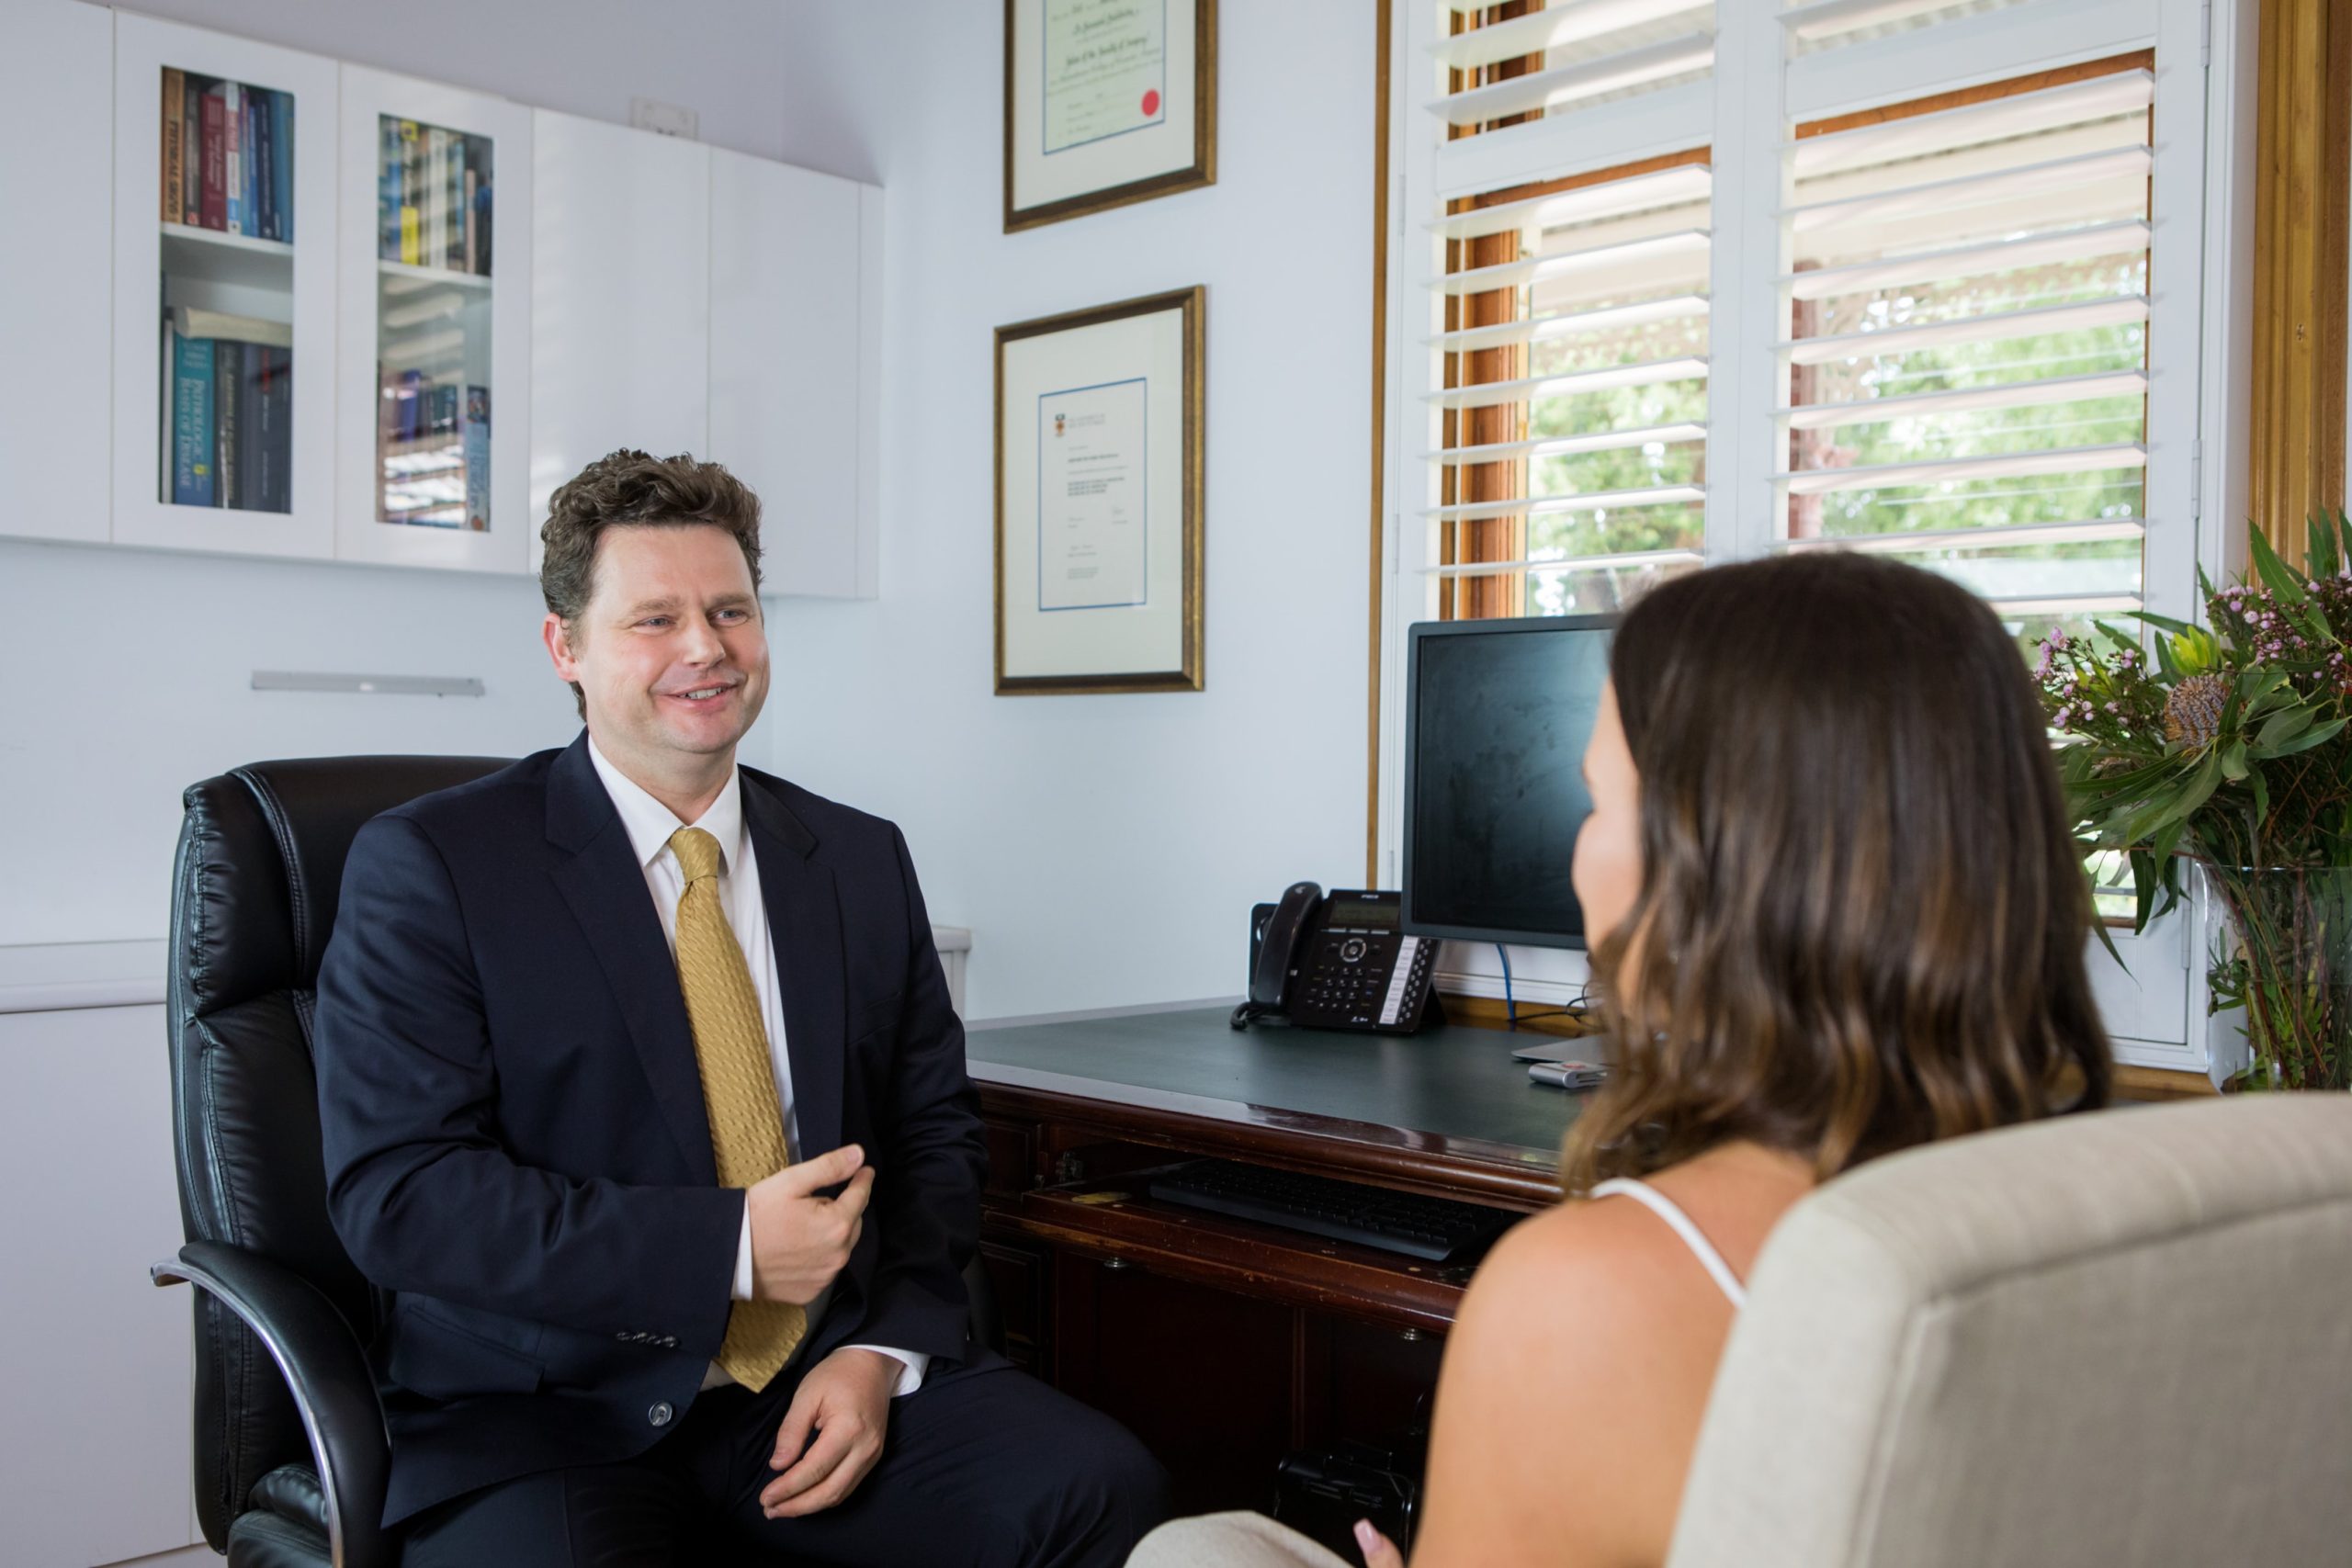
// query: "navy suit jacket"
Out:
[512,1118]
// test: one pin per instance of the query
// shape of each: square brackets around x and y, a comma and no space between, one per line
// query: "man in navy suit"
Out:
[525,1118]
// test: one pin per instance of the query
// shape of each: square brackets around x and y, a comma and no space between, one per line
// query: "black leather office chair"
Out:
[290,1451]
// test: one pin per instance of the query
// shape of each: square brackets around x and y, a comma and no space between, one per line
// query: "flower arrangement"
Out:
[2228,751]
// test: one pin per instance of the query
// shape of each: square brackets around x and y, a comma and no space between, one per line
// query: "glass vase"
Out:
[2286,957]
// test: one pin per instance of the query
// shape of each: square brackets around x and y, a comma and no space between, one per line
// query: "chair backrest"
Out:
[2112,1339]
[253,895]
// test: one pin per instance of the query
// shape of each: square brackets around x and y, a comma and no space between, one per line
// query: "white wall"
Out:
[1105,850]
[124,675]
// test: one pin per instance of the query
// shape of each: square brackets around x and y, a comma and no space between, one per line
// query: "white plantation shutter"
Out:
[1816,25]
[1568,407]
[1563,56]
[1966,342]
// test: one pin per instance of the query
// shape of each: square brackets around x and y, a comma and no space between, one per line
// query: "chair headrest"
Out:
[260,867]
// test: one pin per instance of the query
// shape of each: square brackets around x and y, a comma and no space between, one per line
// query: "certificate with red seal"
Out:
[1107,102]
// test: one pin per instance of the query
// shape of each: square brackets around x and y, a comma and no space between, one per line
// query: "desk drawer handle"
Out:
[1116,1263]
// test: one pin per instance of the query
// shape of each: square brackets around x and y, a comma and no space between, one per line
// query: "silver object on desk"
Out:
[1568,1074]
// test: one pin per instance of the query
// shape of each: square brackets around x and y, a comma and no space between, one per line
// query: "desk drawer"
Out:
[1110,1218]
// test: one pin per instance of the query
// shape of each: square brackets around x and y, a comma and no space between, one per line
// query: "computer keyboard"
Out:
[1436,1229]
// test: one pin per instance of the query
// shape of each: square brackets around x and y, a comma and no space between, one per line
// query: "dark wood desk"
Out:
[1221,1343]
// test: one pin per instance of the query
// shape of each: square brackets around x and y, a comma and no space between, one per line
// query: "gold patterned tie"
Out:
[738,1088]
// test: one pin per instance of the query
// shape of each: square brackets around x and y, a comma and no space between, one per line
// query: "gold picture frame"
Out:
[1091,373]
[1115,172]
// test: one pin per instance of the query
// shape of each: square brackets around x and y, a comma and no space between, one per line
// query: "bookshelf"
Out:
[224,292]
[518,328]
[433,387]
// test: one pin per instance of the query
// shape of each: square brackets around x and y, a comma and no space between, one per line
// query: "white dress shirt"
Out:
[649,824]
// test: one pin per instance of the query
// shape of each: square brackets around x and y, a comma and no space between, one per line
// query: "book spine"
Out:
[483,212]
[281,161]
[233,154]
[226,478]
[477,456]
[192,473]
[387,432]
[456,205]
[436,198]
[175,144]
[215,203]
[388,191]
[192,152]
[471,259]
[253,165]
[411,187]
[248,363]
[272,446]
[263,148]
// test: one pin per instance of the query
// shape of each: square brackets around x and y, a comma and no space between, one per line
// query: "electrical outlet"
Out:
[667,119]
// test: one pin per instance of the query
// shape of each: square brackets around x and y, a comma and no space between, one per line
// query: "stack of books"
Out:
[432,205]
[228,409]
[228,156]
[433,447]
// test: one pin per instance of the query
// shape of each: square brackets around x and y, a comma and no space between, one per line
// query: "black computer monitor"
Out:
[1497,714]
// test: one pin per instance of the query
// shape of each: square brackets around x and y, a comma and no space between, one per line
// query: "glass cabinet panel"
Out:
[435,227]
[225,168]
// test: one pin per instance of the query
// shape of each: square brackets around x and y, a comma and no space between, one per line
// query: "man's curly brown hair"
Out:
[632,489]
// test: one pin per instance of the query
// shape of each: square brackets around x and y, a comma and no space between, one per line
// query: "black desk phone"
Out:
[1338,961]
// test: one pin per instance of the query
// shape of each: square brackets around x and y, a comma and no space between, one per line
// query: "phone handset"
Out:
[1278,951]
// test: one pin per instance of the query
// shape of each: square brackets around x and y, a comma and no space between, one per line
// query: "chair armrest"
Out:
[327,1372]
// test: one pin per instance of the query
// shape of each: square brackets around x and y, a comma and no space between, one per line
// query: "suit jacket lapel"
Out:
[605,888]
[804,925]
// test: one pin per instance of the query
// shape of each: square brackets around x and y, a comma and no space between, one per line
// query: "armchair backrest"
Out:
[253,893]
[2118,1337]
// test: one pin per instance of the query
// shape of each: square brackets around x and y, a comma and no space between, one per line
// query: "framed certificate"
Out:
[1099,431]
[1105,102]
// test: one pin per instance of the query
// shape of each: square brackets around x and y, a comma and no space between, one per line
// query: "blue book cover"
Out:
[388,191]
[282,162]
[233,158]
[477,454]
[191,421]
[252,167]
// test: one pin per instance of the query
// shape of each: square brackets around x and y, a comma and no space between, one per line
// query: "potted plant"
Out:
[2222,751]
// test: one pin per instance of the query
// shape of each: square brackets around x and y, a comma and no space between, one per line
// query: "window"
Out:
[1966,342]
[1673,284]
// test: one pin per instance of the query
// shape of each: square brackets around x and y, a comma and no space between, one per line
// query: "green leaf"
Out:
[2261,799]
[2233,766]
[2311,738]
[2277,575]
[2163,622]
[2282,727]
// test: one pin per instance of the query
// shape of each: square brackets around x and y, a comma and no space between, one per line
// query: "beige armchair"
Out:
[2109,1340]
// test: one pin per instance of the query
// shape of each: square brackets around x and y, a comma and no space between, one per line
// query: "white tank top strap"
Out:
[1667,1208]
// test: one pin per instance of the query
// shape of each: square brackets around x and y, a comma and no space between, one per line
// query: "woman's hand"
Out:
[1378,1552]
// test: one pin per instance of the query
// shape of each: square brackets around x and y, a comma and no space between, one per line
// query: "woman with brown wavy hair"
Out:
[1843,916]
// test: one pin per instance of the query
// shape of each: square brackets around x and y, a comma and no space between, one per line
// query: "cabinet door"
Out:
[620,297]
[795,351]
[57,121]
[224,312]
[97,1363]
[432,405]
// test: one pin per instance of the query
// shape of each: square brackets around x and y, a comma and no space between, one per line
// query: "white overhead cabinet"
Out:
[224,293]
[795,360]
[621,297]
[362,317]
[56,182]
[433,382]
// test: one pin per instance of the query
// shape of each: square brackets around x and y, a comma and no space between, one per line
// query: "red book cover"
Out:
[216,189]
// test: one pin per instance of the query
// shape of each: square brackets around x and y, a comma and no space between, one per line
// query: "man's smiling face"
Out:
[670,653]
